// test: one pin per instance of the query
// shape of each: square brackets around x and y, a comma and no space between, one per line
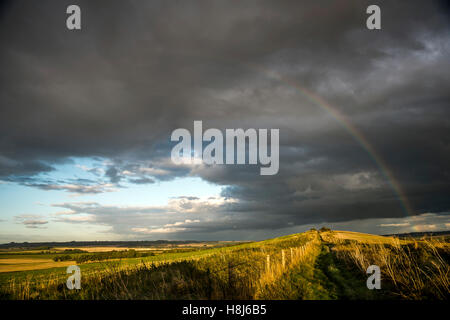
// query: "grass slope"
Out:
[312,265]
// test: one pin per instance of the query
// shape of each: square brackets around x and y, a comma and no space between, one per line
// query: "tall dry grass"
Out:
[276,283]
[294,257]
[417,270]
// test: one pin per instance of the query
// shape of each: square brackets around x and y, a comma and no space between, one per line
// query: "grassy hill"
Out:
[321,264]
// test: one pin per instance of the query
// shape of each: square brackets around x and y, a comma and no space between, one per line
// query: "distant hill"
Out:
[135,244]
[420,234]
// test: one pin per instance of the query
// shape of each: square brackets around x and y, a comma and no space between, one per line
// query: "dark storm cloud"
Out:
[135,72]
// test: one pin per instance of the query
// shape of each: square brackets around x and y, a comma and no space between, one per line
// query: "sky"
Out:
[86,118]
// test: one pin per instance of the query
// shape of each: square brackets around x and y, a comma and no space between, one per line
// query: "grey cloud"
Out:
[34,224]
[113,175]
[190,198]
[75,188]
[31,221]
[141,181]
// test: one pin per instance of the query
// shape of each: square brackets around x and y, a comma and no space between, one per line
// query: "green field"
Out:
[58,270]
[312,265]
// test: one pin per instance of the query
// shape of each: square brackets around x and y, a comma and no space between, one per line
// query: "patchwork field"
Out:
[321,264]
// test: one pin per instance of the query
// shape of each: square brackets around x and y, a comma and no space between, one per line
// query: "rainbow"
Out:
[351,129]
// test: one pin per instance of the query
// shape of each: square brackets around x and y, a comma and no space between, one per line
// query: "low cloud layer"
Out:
[31,221]
[215,218]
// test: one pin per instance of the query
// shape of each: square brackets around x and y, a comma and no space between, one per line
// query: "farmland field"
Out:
[321,264]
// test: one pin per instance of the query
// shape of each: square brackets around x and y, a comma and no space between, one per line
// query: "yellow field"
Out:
[35,261]
[11,265]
